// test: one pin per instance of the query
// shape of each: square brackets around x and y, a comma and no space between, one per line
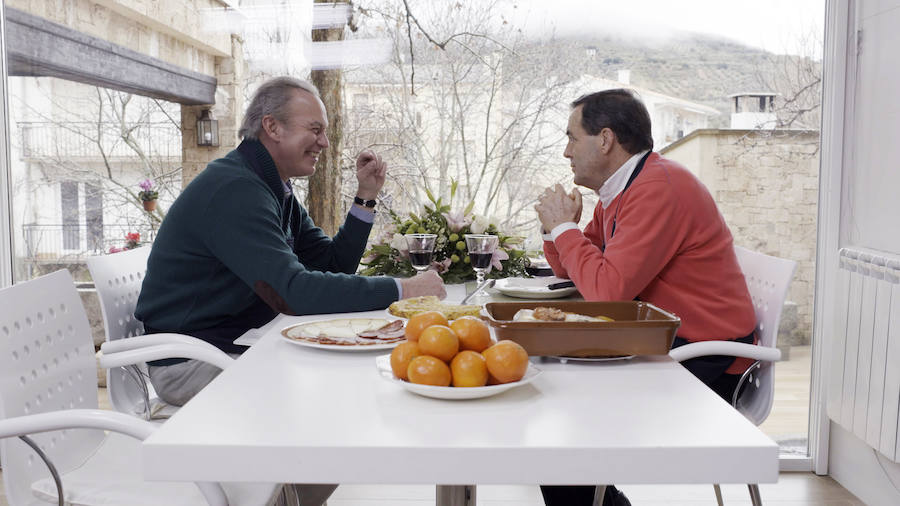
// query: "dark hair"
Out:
[620,111]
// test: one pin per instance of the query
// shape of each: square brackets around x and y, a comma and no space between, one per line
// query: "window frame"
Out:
[6,247]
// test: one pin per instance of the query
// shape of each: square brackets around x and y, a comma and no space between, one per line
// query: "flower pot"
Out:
[149,205]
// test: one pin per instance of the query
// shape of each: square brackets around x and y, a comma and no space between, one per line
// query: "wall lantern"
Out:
[207,130]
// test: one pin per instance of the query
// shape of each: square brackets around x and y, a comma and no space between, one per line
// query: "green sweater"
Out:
[235,231]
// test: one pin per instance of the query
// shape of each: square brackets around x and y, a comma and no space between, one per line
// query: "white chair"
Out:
[48,387]
[118,278]
[768,279]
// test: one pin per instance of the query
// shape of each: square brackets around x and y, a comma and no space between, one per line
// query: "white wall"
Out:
[860,184]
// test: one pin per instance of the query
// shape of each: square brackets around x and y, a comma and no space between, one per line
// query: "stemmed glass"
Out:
[421,247]
[481,249]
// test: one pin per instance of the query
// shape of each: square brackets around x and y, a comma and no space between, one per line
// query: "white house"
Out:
[672,118]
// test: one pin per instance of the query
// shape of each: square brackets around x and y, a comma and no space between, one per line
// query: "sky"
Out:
[779,26]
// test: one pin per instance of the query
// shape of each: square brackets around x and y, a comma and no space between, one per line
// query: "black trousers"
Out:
[710,370]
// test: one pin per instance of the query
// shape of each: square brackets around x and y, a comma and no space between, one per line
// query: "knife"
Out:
[483,286]
[561,284]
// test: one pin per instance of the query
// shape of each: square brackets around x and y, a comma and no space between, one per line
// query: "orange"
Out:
[421,321]
[469,369]
[473,333]
[426,370]
[506,361]
[439,341]
[402,356]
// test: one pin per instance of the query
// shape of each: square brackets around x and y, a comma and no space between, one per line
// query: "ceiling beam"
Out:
[40,48]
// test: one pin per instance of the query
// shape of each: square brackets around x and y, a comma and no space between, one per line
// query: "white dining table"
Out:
[291,414]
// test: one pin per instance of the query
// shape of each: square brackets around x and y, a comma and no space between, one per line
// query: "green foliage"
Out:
[388,255]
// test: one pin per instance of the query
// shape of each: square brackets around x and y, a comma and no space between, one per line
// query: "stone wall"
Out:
[766,186]
[230,73]
[91,302]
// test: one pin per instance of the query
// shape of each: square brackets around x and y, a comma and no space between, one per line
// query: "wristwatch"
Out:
[365,203]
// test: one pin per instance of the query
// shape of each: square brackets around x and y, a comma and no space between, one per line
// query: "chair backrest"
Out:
[118,278]
[47,363]
[768,279]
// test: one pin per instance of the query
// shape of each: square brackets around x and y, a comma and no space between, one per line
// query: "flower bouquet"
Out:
[389,254]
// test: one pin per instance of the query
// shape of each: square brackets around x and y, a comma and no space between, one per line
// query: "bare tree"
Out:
[485,112]
[106,142]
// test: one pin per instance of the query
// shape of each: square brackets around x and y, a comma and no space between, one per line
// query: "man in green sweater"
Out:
[237,248]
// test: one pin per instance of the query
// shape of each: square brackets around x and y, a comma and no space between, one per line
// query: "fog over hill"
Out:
[698,68]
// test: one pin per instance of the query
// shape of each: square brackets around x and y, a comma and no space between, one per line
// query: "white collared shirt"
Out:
[616,183]
[607,193]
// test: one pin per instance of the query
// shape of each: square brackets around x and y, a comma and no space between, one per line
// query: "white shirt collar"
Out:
[616,183]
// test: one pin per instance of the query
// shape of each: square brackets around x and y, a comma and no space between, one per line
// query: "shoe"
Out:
[615,497]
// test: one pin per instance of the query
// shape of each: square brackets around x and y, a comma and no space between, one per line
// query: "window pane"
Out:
[480,120]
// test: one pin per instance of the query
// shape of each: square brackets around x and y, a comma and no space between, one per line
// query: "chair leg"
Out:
[755,498]
[718,490]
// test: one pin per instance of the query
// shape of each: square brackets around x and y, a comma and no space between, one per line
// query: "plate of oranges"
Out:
[455,360]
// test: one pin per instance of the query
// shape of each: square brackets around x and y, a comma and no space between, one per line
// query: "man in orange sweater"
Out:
[656,235]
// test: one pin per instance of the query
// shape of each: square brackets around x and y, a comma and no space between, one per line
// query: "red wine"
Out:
[480,260]
[420,258]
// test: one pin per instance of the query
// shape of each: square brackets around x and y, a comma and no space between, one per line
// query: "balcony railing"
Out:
[43,140]
[50,243]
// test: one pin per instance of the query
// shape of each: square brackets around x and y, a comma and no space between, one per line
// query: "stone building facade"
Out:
[177,32]
[766,185]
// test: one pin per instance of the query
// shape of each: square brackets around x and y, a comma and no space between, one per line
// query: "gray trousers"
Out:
[178,383]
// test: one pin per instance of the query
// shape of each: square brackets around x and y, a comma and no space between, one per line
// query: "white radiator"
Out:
[864,390]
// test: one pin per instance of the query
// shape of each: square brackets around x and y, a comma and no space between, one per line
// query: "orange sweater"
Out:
[671,248]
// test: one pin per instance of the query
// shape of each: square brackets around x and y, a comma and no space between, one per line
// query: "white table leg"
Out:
[455,495]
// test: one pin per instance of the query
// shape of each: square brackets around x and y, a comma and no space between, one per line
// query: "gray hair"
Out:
[271,98]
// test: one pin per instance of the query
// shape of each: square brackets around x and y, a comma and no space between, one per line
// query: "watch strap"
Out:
[364,203]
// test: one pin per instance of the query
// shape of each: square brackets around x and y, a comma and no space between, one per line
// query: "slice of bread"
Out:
[406,308]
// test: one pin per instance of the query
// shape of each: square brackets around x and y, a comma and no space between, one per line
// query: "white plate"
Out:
[533,288]
[346,324]
[383,364]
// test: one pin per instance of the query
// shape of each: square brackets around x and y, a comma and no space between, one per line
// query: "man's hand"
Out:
[370,173]
[424,283]
[555,206]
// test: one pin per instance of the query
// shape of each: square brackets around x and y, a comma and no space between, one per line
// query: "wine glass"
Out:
[421,247]
[481,250]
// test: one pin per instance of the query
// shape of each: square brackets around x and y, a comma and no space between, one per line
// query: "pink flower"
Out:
[456,220]
[114,249]
[499,255]
[146,185]
[386,234]
[442,266]
[398,242]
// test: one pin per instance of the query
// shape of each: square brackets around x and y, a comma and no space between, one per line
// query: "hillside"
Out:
[698,68]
